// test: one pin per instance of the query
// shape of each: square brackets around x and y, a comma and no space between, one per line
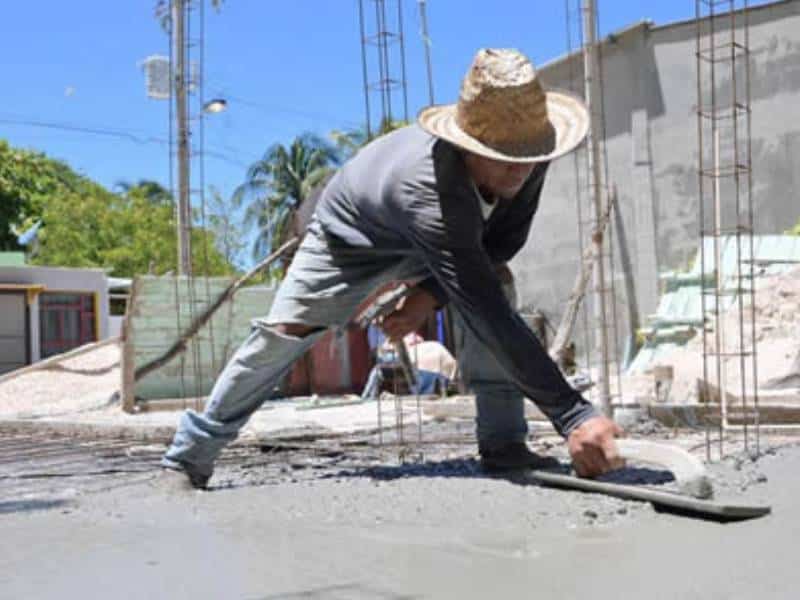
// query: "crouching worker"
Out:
[442,202]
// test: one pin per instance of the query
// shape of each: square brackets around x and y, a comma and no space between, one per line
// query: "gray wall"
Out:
[13,343]
[650,96]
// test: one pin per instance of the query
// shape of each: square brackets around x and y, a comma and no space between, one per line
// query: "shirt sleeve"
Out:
[447,236]
[432,286]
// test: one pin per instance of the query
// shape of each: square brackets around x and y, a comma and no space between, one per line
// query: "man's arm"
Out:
[508,233]
[435,290]
[448,239]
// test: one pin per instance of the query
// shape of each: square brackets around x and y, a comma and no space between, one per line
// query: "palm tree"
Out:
[349,141]
[279,183]
[152,191]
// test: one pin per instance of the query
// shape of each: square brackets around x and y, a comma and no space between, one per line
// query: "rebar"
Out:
[602,350]
[719,54]
[388,41]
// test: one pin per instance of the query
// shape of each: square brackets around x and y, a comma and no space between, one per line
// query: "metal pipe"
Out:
[595,186]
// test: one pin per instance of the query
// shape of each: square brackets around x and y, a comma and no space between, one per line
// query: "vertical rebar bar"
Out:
[610,195]
[426,40]
[401,39]
[386,86]
[738,232]
[202,176]
[364,65]
[383,45]
[576,162]
[732,213]
[750,225]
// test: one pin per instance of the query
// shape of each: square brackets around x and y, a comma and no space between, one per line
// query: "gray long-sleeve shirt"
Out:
[410,193]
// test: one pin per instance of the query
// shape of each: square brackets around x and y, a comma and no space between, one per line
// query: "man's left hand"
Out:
[592,448]
[415,308]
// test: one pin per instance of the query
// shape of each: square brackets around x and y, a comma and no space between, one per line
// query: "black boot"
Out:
[181,479]
[506,456]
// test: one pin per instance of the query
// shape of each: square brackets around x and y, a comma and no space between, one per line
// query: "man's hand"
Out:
[592,448]
[413,311]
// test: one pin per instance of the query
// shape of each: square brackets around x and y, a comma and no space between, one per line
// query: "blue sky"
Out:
[286,66]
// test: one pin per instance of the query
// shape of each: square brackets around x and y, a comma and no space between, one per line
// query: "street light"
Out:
[217,105]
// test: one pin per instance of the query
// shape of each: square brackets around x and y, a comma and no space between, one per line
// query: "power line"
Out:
[116,133]
[271,109]
[83,129]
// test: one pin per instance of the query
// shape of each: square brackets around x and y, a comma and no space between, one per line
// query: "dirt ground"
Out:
[345,518]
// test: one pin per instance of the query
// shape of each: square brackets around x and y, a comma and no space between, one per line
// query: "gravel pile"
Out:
[82,383]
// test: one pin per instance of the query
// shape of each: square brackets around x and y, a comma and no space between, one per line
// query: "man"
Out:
[443,204]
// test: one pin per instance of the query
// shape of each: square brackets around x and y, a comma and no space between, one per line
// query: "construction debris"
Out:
[777,332]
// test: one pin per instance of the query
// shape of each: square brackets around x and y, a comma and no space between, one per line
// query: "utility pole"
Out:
[426,40]
[596,189]
[180,80]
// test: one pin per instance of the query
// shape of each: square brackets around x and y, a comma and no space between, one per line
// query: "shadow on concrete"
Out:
[470,468]
[638,476]
[460,468]
[344,591]
[15,506]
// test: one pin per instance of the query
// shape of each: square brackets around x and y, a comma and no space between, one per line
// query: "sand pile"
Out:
[84,382]
[777,344]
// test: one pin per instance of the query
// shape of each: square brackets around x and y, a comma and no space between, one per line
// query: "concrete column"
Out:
[644,233]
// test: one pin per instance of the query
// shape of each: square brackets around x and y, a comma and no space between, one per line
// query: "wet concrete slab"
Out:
[351,520]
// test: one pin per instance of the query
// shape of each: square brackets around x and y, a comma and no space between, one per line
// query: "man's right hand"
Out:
[592,448]
[410,316]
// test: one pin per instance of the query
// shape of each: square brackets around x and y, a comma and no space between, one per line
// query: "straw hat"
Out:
[504,113]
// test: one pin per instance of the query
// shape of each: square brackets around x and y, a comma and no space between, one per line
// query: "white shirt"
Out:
[486,207]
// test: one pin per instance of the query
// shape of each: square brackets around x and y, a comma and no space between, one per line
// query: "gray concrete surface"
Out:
[346,520]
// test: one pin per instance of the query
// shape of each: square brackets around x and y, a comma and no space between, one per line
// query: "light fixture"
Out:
[217,105]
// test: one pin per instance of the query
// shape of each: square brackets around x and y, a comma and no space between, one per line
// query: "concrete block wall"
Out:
[160,307]
[651,128]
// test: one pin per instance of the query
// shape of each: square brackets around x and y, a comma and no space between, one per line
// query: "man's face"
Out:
[503,179]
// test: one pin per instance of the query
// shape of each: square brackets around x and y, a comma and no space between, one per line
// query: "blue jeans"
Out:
[323,288]
[499,404]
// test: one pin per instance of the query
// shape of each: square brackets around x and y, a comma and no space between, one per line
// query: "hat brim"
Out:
[567,115]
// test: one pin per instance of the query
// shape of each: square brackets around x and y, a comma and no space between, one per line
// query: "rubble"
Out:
[777,335]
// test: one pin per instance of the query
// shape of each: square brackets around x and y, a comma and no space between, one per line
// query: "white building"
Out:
[48,310]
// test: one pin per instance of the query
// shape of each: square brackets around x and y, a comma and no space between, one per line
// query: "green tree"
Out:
[126,233]
[154,192]
[225,223]
[27,180]
[349,141]
[277,185]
